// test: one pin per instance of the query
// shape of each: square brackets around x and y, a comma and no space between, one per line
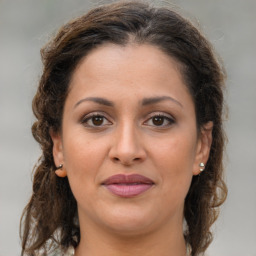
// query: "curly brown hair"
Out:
[51,213]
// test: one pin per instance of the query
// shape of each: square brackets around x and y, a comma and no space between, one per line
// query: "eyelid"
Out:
[85,118]
[159,113]
[169,117]
[88,116]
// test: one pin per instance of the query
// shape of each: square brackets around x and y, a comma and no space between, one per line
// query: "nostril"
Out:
[116,159]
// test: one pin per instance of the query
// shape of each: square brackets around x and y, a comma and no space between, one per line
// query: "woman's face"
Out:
[129,140]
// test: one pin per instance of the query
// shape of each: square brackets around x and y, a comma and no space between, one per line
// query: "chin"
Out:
[129,221]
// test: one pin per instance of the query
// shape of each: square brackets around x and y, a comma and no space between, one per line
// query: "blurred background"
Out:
[26,25]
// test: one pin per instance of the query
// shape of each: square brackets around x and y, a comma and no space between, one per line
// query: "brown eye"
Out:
[97,120]
[158,120]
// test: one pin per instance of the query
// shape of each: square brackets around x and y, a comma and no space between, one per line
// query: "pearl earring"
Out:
[59,172]
[59,167]
[201,165]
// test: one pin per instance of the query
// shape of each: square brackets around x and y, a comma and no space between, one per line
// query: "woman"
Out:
[129,118]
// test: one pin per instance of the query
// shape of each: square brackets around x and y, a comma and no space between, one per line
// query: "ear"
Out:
[203,147]
[58,156]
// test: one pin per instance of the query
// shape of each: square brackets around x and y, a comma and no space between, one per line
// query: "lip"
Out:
[128,185]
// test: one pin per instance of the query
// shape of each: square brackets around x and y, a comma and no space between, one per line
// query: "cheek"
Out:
[174,159]
[81,150]
[83,157]
[176,152]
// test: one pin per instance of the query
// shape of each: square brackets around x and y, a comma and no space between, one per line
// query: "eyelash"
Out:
[166,118]
[89,118]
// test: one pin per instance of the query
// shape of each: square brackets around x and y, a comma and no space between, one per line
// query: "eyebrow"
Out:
[98,100]
[154,100]
[145,101]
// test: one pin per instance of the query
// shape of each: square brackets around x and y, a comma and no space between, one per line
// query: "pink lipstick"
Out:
[128,185]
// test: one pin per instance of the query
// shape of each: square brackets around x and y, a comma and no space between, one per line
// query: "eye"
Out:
[95,120]
[160,120]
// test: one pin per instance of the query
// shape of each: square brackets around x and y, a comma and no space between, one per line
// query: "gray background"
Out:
[26,25]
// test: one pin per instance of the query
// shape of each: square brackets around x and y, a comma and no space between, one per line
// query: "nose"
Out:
[127,147]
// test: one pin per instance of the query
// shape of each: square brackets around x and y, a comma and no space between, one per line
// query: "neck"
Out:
[164,242]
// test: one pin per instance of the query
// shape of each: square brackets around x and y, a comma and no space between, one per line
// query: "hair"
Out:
[51,214]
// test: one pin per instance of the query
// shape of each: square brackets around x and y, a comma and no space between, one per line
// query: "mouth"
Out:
[128,185]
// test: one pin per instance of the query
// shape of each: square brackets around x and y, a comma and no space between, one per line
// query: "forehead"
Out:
[137,69]
[108,56]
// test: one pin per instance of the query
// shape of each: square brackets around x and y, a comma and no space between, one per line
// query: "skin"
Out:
[127,140]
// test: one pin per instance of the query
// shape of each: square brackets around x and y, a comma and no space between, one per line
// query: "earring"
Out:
[59,167]
[59,172]
[201,165]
